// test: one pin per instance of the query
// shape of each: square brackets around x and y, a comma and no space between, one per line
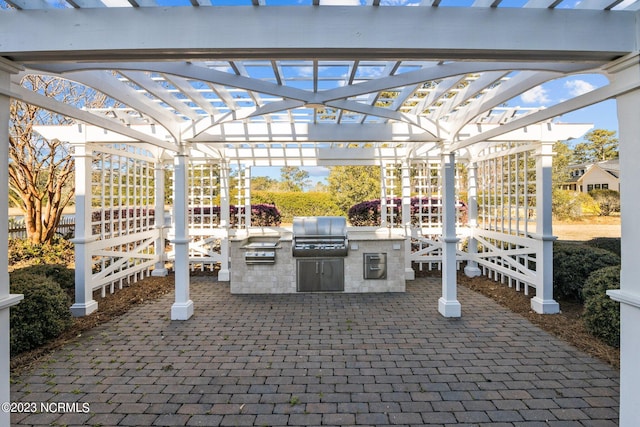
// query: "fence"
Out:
[18,228]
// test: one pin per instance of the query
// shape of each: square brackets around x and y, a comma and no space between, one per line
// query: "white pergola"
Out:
[327,83]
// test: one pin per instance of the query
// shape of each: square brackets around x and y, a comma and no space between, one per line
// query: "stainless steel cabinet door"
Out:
[320,275]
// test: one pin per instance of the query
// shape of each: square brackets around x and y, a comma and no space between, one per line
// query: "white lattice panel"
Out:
[123,215]
[506,186]
[506,190]
[242,198]
[390,204]
[205,232]
[427,214]
[204,195]
[507,258]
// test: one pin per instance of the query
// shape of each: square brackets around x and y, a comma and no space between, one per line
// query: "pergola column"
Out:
[409,274]
[182,308]
[471,269]
[543,302]
[224,274]
[448,304]
[6,299]
[159,269]
[629,293]
[84,304]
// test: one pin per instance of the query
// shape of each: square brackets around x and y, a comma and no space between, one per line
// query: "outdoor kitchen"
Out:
[318,254]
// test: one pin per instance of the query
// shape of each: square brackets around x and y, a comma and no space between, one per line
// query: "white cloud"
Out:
[316,171]
[537,95]
[399,3]
[578,87]
[304,71]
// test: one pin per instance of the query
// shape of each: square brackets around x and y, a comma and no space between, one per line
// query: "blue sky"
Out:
[602,115]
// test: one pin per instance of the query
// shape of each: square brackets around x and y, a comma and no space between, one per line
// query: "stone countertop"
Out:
[262,235]
[353,234]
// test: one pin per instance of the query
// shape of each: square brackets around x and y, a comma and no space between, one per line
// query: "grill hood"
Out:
[319,236]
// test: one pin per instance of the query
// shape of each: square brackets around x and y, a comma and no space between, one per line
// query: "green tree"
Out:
[561,161]
[264,183]
[41,171]
[293,178]
[599,145]
[581,153]
[354,184]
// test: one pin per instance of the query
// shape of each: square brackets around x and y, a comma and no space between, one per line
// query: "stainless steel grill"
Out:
[324,236]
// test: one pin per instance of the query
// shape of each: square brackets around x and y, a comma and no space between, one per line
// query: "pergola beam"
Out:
[109,84]
[51,104]
[506,34]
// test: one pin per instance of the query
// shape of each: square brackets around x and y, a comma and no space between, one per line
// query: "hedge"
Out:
[601,314]
[572,265]
[262,214]
[42,315]
[611,244]
[295,203]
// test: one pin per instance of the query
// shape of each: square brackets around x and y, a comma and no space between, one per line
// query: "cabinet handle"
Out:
[322,267]
[317,267]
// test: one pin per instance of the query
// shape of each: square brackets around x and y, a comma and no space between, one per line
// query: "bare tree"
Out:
[41,180]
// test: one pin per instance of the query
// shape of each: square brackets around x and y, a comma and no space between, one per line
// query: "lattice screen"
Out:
[242,198]
[428,190]
[203,192]
[122,191]
[122,181]
[427,211]
[204,195]
[506,178]
[390,214]
[507,191]
[427,193]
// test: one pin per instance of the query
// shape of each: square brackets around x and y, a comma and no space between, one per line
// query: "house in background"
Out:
[603,175]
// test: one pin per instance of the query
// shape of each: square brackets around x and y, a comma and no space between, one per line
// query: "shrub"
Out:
[607,200]
[368,213]
[261,215]
[41,316]
[365,213]
[602,314]
[572,265]
[63,276]
[611,244]
[566,204]
[23,252]
[265,215]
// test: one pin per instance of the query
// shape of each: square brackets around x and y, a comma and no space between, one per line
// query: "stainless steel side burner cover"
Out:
[260,252]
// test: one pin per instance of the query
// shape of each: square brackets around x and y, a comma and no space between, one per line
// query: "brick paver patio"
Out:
[320,359]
